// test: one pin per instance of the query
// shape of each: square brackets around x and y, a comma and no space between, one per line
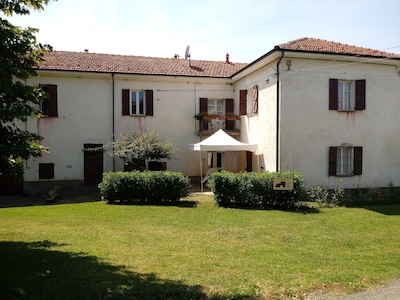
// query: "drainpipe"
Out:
[113,117]
[278,109]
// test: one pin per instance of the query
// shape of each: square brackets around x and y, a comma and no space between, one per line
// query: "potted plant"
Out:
[232,116]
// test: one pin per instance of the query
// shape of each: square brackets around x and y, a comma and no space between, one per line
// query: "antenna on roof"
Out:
[187,54]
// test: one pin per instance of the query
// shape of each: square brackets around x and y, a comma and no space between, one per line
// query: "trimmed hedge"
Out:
[255,190]
[153,187]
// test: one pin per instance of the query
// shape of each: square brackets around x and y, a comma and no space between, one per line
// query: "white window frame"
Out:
[216,106]
[346,95]
[136,109]
[345,158]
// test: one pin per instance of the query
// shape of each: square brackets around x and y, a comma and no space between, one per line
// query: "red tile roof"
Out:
[123,64]
[322,46]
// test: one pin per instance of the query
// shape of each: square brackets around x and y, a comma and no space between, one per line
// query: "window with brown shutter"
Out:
[360,95]
[333,94]
[125,103]
[229,109]
[347,95]
[137,103]
[149,102]
[49,104]
[332,161]
[243,102]
[358,151]
[46,171]
[203,105]
[345,160]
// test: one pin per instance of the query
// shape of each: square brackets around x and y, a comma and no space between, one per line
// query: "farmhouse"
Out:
[325,109]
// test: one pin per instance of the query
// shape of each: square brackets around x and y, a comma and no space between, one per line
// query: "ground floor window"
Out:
[345,160]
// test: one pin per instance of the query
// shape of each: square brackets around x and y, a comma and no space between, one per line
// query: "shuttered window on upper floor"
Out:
[347,95]
[49,106]
[137,102]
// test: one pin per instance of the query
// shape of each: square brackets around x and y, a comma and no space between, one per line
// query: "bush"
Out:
[255,190]
[327,198]
[153,187]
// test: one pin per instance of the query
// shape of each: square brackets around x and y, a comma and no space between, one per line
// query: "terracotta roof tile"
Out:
[323,46]
[124,64]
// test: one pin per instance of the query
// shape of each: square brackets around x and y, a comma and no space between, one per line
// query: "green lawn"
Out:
[193,251]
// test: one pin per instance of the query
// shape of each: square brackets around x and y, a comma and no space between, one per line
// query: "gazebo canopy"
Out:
[222,142]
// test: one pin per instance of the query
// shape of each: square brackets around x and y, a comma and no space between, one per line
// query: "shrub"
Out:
[144,187]
[327,198]
[255,190]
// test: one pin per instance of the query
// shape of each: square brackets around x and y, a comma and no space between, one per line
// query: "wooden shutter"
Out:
[243,102]
[46,171]
[358,154]
[125,103]
[149,102]
[360,95]
[333,94]
[229,108]
[203,105]
[50,104]
[332,161]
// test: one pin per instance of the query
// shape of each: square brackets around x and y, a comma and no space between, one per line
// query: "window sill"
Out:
[346,110]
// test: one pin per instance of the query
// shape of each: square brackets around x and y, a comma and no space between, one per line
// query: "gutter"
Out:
[113,117]
[278,108]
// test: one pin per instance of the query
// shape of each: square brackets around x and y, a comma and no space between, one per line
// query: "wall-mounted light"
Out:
[288,64]
[267,81]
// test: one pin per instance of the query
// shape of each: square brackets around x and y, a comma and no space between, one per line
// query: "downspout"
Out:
[278,109]
[113,118]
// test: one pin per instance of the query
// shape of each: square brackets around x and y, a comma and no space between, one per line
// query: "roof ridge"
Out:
[307,44]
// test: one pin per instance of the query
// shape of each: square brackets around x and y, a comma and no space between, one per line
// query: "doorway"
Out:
[215,160]
[93,164]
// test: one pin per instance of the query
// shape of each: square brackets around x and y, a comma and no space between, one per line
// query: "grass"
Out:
[193,251]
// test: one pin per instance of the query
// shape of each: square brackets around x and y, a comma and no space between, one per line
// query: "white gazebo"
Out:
[220,142]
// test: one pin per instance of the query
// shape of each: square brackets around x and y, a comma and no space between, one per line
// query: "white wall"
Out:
[84,116]
[309,127]
[85,105]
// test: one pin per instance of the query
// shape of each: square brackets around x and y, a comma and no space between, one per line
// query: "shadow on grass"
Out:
[385,209]
[33,271]
[181,203]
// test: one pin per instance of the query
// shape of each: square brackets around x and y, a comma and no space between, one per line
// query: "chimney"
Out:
[227,58]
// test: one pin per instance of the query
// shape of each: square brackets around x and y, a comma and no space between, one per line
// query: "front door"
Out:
[249,161]
[93,164]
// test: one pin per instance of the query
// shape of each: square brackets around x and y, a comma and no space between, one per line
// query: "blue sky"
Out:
[246,29]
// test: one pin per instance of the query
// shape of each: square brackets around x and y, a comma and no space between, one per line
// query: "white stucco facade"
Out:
[293,126]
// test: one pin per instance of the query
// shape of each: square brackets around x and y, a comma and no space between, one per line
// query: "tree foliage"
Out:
[20,56]
[135,147]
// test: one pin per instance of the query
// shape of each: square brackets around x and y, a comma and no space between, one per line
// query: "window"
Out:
[345,160]
[46,171]
[346,95]
[137,102]
[344,163]
[215,107]
[218,107]
[248,101]
[48,106]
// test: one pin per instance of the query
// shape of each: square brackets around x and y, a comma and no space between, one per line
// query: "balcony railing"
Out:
[210,124]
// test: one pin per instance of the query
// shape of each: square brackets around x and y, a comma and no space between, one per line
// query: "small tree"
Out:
[134,148]
[20,56]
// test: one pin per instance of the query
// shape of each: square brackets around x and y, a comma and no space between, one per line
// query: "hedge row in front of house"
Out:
[153,187]
[255,190]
